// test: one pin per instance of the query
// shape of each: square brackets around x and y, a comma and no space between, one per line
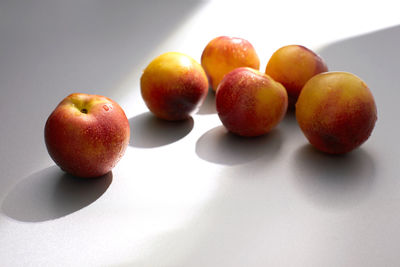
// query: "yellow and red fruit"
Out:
[250,103]
[224,54]
[336,112]
[293,66]
[173,86]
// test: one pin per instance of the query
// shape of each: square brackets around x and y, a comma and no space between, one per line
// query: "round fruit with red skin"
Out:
[250,103]
[293,66]
[86,135]
[173,86]
[224,54]
[336,112]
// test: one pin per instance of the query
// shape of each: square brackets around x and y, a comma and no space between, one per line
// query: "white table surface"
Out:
[189,194]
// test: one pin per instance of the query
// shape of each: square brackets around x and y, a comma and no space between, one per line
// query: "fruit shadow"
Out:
[208,106]
[222,147]
[335,181]
[51,194]
[289,122]
[148,131]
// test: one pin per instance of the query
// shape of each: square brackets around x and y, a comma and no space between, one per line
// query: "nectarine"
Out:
[293,66]
[173,86]
[224,54]
[86,135]
[249,102]
[336,112]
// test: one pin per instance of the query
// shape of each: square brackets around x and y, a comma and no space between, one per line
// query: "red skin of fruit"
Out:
[224,54]
[293,66]
[250,103]
[173,86]
[86,135]
[336,112]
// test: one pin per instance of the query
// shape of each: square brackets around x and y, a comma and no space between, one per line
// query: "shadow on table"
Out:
[148,131]
[51,194]
[333,180]
[208,106]
[222,147]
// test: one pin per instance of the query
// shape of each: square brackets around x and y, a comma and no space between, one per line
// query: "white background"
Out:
[189,193]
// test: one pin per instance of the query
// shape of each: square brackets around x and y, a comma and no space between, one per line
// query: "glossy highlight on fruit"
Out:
[173,86]
[250,103]
[86,135]
[293,66]
[224,54]
[336,112]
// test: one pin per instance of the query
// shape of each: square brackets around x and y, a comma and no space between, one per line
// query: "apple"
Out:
[293,66]
[336,112]
[249,102]
[86,135]
[224,54]
[173,86]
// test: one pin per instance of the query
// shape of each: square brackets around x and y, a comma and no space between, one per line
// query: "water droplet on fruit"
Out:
[106,108]
[236,40]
